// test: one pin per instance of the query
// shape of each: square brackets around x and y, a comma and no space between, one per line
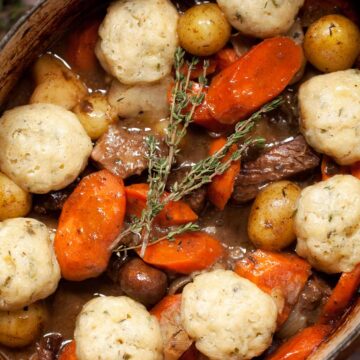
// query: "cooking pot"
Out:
[43,25]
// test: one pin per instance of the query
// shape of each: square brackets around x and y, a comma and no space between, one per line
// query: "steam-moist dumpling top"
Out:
[150,99]
[43,147]
[261,18]
[117,328]
[138,39]
[229,317]
[29,270]
[330,114]
[327,224]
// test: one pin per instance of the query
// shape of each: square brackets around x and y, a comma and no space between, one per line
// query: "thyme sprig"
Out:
[183,105]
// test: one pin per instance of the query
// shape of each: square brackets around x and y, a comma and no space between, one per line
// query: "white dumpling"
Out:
[138,39]
[43,147]
[327,224]
[330,114]
[29,270]
[117,328]
[228,316]
[261,18]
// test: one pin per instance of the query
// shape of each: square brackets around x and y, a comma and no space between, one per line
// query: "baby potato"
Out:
[95,114]
[14,201]
[56,84]
[271,220]
[22,327]
[332,43]
[203,30]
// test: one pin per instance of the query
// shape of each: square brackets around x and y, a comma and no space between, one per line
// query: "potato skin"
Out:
[95,114]
[14,201]
[203,30]
[21,327]
[332,43]
[271,220]
[56,84]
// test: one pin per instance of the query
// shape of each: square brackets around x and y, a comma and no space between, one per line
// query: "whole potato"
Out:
[271,220]
[56,84]
[203,30]
[22,327]
[14,201]
[95,114]
[332,43]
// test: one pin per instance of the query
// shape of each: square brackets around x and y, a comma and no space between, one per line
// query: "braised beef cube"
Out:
[278,163]
[123,152]
[197,199]
[49,346]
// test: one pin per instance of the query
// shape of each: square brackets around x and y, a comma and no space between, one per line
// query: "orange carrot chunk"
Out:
[222,186]
[81,47]
[175,339]
[226,57]
[166,303]
[341,296]
[277,274]
[90,221]
[300,346]
[174,213]
[68,352]
[202,115]
[188,252]
[253,80]
[329,168]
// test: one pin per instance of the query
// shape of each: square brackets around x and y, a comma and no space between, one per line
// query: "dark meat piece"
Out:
[49,346]
[53,201]
[197,199]
[142,282]
[277,163]
[307,309]
[123,152]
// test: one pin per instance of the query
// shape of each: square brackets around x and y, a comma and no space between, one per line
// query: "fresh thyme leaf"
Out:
[183,105]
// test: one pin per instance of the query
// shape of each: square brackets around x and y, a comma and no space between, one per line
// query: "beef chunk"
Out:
[277,163]
[123,152]
[52,201]
[49,346]
[197,199]
[308,307]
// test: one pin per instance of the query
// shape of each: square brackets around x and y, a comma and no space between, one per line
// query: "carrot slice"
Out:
[277,274]
[202,115]
[90,220]
[226,57]
[174,213]
[175,339]
[330,168]
[253,80]
[300,346]
[166,303]
[341,296]
[222,186]
[188,252]
[68,352]
[81,46]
